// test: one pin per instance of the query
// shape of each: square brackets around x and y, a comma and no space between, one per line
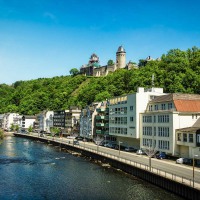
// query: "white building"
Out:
[10,119]
[72,120]
[45,121]
[27,121]
[124,113]
[163,116]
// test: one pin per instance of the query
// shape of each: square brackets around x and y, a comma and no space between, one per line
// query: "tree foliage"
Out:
[176,71]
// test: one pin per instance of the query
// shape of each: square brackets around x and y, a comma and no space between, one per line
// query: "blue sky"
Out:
[47,38]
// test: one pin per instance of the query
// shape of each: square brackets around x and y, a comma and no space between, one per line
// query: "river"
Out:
[34,170]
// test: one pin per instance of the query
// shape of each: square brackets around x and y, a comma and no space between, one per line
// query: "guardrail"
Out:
[171,176]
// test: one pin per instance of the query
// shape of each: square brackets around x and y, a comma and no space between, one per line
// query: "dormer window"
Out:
[163,106]
[169,106]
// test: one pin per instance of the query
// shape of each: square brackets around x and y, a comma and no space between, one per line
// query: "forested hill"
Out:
[177,71]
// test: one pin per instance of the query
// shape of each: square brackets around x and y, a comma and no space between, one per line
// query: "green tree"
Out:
[74,71]
[110,62]
[30,129]
[1,134]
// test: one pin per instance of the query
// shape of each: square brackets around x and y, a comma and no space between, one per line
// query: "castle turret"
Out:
[120,58]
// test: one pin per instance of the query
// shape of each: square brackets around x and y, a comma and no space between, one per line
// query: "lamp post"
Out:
[193,168]
[119,147]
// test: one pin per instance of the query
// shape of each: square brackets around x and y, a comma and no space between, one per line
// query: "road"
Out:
[160,166]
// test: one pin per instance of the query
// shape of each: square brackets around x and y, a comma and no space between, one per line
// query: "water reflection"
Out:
[31,170]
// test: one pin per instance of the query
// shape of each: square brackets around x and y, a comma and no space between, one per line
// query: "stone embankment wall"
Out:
[165,183]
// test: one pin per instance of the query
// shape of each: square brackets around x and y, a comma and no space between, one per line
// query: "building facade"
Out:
[124,112]
[163,116]
[10,119]
[45,120]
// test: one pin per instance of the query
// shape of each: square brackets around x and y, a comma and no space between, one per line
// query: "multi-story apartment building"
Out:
[9,119]
[45,121]
[72,120]
[124,114]
[27,121]
[59,119]
[94,121]
[86,126]
[101,120]
[67,120]
[165,114]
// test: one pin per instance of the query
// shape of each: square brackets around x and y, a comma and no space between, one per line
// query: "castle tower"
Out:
[120,58]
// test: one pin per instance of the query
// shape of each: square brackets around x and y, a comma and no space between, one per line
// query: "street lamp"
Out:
[119,147]
[193,167]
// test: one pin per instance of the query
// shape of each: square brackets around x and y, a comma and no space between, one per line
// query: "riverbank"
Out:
[8,134]
[166,180]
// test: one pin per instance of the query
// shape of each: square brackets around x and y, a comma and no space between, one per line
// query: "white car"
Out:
[184,161]
[179,160]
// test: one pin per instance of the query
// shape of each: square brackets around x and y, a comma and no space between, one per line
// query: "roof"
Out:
[175,96]
[121,49]
[182,102]
[187,105]
[188,129]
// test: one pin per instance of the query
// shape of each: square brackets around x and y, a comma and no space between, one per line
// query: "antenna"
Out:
[152,81]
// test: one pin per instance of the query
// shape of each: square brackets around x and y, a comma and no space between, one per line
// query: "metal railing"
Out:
[168,175]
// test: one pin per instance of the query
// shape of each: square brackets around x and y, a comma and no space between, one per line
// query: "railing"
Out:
[174,177]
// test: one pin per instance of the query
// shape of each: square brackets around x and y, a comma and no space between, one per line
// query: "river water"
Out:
[34,170]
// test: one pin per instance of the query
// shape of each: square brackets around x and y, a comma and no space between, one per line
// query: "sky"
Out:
[47,38]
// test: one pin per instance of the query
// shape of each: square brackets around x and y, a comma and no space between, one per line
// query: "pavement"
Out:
[136,160]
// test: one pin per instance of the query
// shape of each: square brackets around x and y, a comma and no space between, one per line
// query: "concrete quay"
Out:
[159,174]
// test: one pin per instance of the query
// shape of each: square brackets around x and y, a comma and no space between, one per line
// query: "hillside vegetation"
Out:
[177,71]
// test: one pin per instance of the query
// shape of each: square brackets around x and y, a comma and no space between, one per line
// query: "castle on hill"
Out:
[93,68]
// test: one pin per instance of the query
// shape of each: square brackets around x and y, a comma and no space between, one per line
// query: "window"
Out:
[155,107]
[163,131]
[198,138]
[163,106]
[163,144]
[131,119]
[163,118]
[131,108]
[191,138]
[179,137]
[147,130]
[154,131]
[147,119]
[184,137]
[154,119]
[169,106]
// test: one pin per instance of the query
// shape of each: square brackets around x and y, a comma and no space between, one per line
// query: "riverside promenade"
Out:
[167,169]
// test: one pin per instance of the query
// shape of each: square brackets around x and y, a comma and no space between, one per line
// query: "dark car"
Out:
[161,155]
[80,138]
[130,149]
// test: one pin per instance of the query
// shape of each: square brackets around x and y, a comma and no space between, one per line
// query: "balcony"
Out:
[100,117]
[100,109]
[106,117]
[99,124]
[99,132]
[106,125]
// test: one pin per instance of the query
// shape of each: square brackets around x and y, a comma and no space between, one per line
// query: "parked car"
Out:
[76,142]
[161,155]
[140,152]
[79,138]
[130,149]
[183,161]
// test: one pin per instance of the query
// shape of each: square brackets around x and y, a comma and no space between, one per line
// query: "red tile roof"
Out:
[184,105]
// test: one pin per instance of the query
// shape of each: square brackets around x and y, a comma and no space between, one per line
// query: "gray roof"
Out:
[175,96]
[121,49]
